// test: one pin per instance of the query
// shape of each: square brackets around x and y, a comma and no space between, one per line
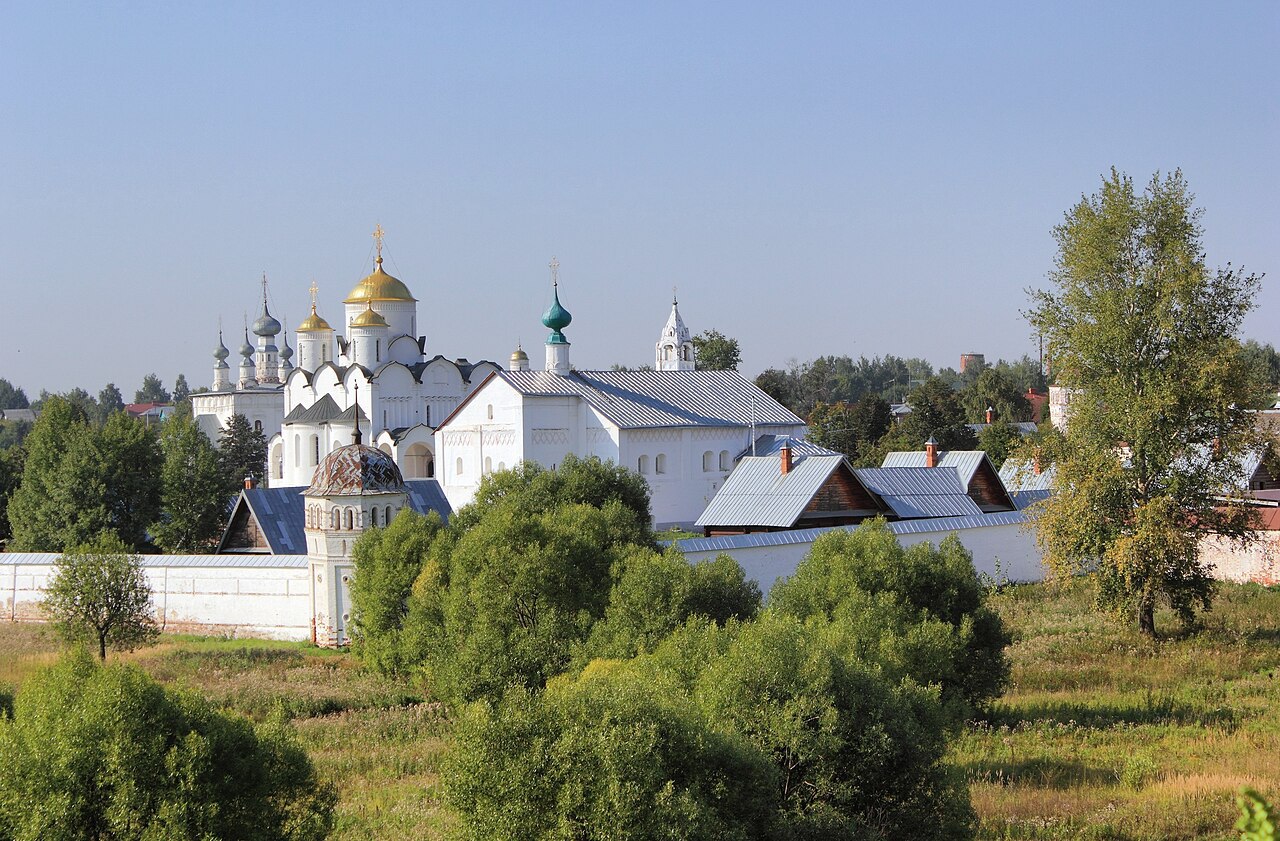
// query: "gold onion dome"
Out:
[369,318]
[518,355]
[313,323]
[379,286]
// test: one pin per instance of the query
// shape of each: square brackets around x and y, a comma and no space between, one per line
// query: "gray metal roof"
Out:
[770,445]
[638,399]
[323,410]
[280,512]
[256,561]
[1020,475]
[1022,499]
[913,492]
[966,462]
[758,493]
[728,543]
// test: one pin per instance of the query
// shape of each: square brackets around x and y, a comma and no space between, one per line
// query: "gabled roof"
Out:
[771,445]
[758,493]
[281,518]
[1020,475]
[912,492]
[641,399]
[323,410]
[966,462]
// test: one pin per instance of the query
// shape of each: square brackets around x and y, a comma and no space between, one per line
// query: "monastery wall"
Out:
[266,596]
[1257,561]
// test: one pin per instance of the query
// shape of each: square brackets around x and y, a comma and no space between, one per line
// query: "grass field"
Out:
[1102,734]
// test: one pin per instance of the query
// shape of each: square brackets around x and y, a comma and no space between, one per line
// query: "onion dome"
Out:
[286,352]
[369,318]
[221,353]
[379,286]
[246,349]
[266,325]
[518,355]
[356,470]
[556,318]
[313,323]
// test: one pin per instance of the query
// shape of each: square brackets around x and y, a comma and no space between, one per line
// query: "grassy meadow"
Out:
[1101,735]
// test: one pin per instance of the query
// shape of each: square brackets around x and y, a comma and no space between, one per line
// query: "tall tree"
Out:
[243,451]
[1146,334]
[181,391]
[935,411]
[10,397]
[152,391]
[991,389]
[193,488]
[130,460]
[11,463]
[716,351]
[110,401]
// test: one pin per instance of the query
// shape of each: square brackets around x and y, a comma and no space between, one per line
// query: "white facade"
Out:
[674,350]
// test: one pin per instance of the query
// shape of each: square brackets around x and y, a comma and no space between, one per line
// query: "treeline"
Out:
[604,684]
[76,474]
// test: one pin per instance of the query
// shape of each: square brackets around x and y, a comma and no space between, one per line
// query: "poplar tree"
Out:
[1146,336]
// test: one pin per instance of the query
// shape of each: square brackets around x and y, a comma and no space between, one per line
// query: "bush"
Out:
[100,595]
[1257,822]
[920,611]
[104,752]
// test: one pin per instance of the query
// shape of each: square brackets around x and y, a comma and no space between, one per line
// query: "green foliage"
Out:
[11,466]
[54,504]
[936,411]
[1256,822]
[388,561]
[714,351]
[919,612]
[1145,333]
[1263,362]
[11,397]
[193,488]
[152,391]
[97,752]
[611,756]
[181,391]
[243,453]
[991,389]
[110,401]
[657,593]
[129,459]
[852,429]
[998,441]
[100,595]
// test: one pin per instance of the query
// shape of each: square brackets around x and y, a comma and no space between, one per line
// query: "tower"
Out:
[519,360]
[368,338]
[385,295]
[266,328]
[221,370]
[555,319]
[286,356]
[674,351]
[315,339]
[247,378]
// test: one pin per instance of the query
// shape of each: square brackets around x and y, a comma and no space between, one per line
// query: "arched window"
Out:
[488,464]
[373,516]
[642,465]
[431,469]
[708,461]
[388,519]
[490,411]
[377,350]
[315,450]
[502,466]
[724,459]
[660,463]
[335,518]
[348,521]
[458,468]
[257,426]
[666,352]
[297,450]
[684,352]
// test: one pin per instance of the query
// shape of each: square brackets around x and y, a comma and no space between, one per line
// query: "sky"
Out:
[812,178]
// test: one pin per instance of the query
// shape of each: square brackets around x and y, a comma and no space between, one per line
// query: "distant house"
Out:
[149,413]
[1026,481]
[16,415]
[977,475]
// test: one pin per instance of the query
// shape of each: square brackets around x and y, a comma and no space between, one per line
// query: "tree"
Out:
[10,397]
[181,391]
[1264,363]
[999,440]
[103,752]
[936,412]
[992,390]
[110,401]
[152,391]
[243,452]
[715,351]
[11,464]
[193,488]
[100,594]
[1146,334]
[129,464]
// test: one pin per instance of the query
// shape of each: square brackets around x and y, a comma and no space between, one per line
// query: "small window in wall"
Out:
[297,450]
[490,411]
[348,520]
[384,418]
[257,426]
[488,464]
[427,419]
[315,450]
[458,468]
[660,463]
[335,518]
[685,353]
[724,459]
[377,350]
[708,461]
[642,465]
[388,520]
[431,468]
[502,466]
[373,516]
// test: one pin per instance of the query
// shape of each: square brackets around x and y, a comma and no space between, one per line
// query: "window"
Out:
[684,352]
[427,420]
[490,411]
[724,459]
[502,466]
[373,516]
[315,450]
[708,461]
[257,426]
[348,520]
[458,470]
[297,450]
[660,463]
[431,468]
[642,465]
[388,519]
[488,464]
[377,350]
[335,518]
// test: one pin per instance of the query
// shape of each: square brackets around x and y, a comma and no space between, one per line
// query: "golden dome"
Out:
[369,318]
[313,323]
[379,286]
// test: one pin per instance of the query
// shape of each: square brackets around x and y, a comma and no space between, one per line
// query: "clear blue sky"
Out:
[860,178]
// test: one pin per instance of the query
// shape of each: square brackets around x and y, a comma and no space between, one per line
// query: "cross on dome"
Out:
[378,235]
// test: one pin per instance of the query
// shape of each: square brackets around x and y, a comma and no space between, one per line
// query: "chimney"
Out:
[990,414]
[784,456]
[1035,462]
[931,452]
[249,484]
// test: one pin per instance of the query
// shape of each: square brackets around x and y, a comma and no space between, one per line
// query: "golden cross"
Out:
[377,238]
[555,271]
[313,290]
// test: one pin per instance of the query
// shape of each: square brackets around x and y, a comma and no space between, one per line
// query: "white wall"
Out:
[207,594]
[1001,542]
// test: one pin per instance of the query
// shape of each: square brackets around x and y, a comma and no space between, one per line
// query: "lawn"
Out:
[1102,734]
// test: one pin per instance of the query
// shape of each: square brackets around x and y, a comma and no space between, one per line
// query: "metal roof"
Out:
[758,493]
[913,492]
[257,561]
[638,399]
[1024,498]
[1020,475]
[281,515]
[728,543]
[966,462]
[770,445]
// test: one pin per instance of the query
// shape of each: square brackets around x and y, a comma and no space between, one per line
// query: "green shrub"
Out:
[104,752]
[1139,770]
[1257,822]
